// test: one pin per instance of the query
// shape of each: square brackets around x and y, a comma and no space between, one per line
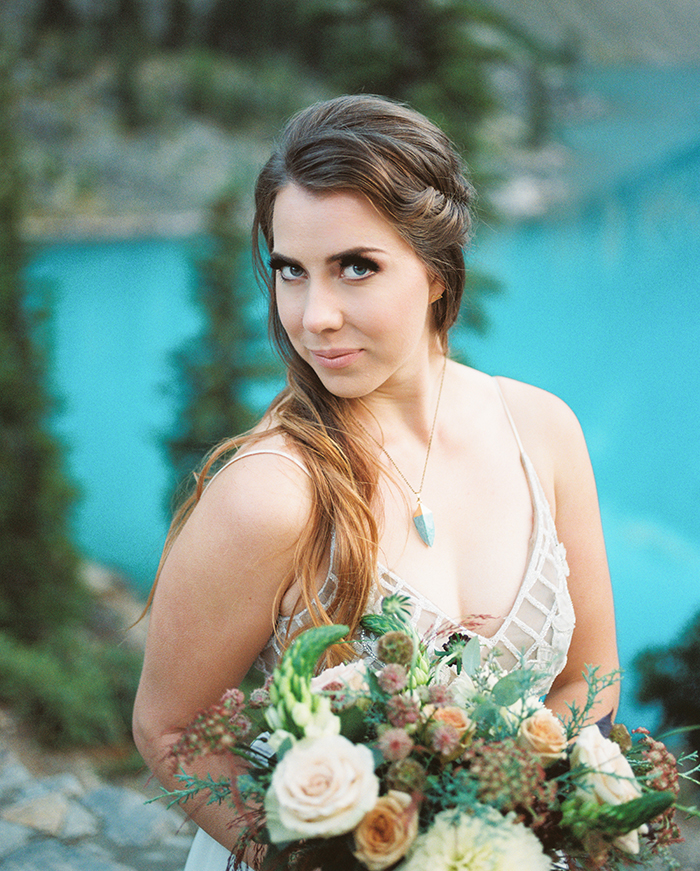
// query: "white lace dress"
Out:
[539,626]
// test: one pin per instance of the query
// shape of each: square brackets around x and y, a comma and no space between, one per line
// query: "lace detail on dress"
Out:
[538,628]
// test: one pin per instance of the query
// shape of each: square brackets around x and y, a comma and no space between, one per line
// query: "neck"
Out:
[391,413]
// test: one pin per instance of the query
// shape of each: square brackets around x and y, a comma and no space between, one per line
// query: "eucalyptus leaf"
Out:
[510,688]
[471,656]
[286,745]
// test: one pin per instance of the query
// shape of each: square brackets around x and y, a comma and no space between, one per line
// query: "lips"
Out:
[336,358]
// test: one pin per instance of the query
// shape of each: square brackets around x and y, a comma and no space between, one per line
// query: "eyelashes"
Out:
[362,265]
[276,263]
[351,266]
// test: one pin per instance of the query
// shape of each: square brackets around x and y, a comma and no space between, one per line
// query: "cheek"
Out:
[286,313]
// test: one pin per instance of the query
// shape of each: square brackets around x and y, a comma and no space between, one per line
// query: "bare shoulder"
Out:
[264,489]
[243,531]
[540,417]
[229,561]
[551,435]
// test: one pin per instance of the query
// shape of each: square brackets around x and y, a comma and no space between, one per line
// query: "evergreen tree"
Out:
[436,55]
[56,14]
[179,26]
[670,676]
[130,48]
[215,372]
[39,588]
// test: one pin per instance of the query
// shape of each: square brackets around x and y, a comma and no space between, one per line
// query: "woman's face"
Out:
[352,295]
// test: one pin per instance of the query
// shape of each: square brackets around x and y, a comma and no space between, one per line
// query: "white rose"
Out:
[322,787]
[352,675]
[609,780]
[524,707]
[462,688]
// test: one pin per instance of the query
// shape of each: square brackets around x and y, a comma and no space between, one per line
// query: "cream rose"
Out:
[385,834]
[545,735]
[322,787]
[609,778]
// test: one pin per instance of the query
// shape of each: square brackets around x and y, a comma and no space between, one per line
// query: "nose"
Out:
[322,308]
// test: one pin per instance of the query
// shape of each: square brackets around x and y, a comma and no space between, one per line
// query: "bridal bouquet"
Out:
[427,762]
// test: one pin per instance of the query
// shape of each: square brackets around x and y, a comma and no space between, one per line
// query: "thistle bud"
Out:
[406,775]
[396,647]
[621,737]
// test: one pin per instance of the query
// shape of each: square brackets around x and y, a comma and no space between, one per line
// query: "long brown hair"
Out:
[410,171]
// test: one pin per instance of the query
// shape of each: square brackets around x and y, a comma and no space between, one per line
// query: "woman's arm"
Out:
[555,442]
[212,612]
[579,527]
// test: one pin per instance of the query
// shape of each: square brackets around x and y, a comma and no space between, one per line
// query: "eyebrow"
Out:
[360,251]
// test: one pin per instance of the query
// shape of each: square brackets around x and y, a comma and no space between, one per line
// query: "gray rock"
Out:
[52,855]
[13,776]
[79,823]
[68,784]
[46,812]
[128,821]
[12,837]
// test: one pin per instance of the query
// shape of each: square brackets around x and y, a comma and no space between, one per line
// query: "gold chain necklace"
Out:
[422,517]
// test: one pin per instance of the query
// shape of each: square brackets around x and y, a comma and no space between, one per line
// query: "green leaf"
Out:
[622,818]
[471,656]
[509,689]
[284,746]
[352,725]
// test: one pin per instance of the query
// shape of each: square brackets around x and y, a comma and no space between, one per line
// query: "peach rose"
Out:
[453,716]
[607,778]
[321,788]
[545,735]
[457,719]
[385,833]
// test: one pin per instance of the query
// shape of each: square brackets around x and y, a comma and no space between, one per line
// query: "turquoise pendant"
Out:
[424,523]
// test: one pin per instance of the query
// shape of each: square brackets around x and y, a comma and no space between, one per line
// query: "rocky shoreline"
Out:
[65,822]
[59,811]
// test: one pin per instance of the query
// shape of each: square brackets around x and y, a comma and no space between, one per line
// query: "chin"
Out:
[344,387]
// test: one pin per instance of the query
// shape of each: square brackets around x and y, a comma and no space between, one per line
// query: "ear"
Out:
[436,290]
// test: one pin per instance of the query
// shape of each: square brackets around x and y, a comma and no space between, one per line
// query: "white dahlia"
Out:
[484,842]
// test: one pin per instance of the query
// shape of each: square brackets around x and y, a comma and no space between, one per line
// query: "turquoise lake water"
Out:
[601,306]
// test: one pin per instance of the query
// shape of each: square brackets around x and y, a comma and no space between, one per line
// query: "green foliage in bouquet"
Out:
[423,759]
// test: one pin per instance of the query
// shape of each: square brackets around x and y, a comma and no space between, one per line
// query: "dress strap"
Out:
[242,454]
[510,416]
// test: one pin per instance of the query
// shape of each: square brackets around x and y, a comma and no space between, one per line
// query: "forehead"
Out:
[330,221]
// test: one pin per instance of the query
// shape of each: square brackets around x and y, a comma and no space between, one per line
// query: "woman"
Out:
[364,212]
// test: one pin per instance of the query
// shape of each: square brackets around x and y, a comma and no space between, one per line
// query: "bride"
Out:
[384,465]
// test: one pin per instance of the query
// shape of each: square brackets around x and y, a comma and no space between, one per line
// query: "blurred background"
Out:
[132,336]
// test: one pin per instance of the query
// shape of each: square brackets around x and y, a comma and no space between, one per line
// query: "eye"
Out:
[356,267]
[286,270]
[290,272]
